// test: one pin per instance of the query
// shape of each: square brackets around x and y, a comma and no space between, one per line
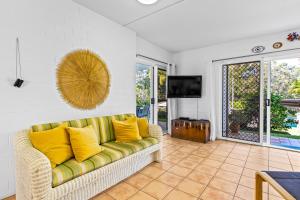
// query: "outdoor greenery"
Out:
[295,87]
[243,95]
[280,113]
[162,81]
[285,84]
[285,79]
[143,81]
[162,114]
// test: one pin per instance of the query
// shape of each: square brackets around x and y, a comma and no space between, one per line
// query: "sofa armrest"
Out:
[155,131]
[33,169]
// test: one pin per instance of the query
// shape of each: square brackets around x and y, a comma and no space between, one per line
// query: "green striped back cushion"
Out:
[106,127]
[102,125]
[48,126]
[79,123]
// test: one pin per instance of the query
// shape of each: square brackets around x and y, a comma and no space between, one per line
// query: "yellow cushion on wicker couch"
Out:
[126,131]
[84,142]
[54,143]
[143,127]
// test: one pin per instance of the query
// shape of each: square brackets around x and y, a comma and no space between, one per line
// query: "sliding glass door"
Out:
[283,102]
[261,101]
[242,105]
[162,103]
[144,91]
[151,93]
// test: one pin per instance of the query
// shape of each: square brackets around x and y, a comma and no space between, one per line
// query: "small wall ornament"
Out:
[83,79]
[277,45]
[258,49]
[293,36]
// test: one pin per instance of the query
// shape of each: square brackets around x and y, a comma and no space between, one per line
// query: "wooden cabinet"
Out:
[194,130]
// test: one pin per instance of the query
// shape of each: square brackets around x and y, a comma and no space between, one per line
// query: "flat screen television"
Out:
[184,86]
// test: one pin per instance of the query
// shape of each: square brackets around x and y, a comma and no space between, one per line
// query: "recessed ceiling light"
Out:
[147,2]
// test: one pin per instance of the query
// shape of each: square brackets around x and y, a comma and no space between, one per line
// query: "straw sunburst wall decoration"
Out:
[83,79]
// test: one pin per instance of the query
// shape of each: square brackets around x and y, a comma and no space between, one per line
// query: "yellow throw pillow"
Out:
[54,143]
[143,126]
[126,131]
[84,142]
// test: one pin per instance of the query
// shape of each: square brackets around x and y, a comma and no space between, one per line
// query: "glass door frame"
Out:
[162,68]
[154,66]
[151,68]
[267,61]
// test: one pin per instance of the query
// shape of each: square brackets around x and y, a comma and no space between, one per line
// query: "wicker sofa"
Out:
[35,179]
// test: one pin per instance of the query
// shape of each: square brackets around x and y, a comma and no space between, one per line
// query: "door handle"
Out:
[152,101]
[268,102]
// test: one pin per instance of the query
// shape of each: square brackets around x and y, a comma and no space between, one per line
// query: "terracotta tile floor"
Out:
[218,170]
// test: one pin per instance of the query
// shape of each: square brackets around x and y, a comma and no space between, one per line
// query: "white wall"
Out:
[199,62]
[148,49]
[48,29]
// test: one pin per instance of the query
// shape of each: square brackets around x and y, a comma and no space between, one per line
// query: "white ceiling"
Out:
[178,25]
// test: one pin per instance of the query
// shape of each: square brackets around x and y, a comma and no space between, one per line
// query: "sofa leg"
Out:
[157,156]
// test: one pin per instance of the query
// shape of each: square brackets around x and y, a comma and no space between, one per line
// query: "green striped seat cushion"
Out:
[112,152]
[128,148]
[72,169]
[106,127]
